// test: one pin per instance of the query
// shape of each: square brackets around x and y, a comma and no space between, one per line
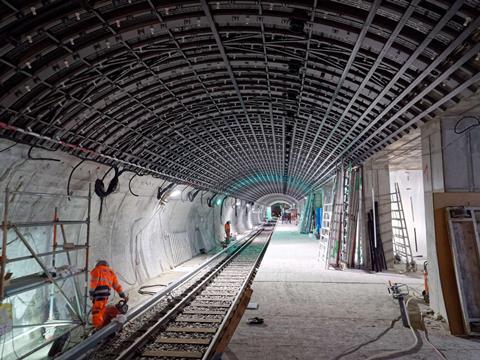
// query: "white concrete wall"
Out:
[461,155]
[140,237]
[410,183]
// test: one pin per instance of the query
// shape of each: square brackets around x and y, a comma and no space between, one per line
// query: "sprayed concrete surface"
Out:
[312,313]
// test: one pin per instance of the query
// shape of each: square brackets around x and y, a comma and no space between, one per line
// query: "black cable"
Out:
[8,147]
[70,176]
[141,290]
[209,200]
[108,172]
[161,191]
[130,185]
[181,194]
[468,127]
[40,158]
[100,189]
[192,195]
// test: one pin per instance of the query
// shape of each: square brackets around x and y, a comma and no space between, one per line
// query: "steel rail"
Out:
[142,341]
[248,279]
[81,350]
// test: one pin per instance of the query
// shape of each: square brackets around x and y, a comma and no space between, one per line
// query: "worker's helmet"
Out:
[102,262]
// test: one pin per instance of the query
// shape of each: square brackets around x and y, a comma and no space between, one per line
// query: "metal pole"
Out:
[87,253]
[45,270]
[75,284]
[54,246]
[374,221]
[4,246]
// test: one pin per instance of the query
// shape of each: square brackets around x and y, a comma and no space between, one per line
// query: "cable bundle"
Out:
[102,193]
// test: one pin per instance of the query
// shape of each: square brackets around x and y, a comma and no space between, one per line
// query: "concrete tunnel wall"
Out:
[138,236]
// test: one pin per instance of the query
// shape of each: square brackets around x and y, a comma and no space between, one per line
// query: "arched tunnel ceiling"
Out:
[242,97]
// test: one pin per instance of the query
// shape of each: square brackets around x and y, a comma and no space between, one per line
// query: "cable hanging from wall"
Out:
[100,190]
[209,200]
[221,206]
[130,183]
[161,192]
[70,177]
[463,120]
[192,195]
[30,157]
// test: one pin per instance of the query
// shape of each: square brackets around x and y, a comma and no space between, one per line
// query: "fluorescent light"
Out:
[175,193]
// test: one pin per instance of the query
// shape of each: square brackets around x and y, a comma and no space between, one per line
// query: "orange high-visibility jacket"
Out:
[102,279]
[227,227]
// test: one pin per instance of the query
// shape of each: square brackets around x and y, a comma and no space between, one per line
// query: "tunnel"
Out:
[240,179]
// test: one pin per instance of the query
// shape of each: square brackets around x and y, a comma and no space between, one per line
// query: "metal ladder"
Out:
[401,240]
[325,230]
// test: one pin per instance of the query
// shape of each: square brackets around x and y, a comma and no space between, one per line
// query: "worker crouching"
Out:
[102,280]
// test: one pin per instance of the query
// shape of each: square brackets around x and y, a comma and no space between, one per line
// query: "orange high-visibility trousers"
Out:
[102,313]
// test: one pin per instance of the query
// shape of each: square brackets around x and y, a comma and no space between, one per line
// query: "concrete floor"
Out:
[313,313]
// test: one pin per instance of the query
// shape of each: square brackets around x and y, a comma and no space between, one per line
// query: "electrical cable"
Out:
[30,157]
[102,193]
[390,354]
[221,206]
[8,147]
[192,195]
[161,192]
[70,176]
[130,185]
[143,292]
[209,200]
[359,346]
[181,194]
[468,127]
[437,351]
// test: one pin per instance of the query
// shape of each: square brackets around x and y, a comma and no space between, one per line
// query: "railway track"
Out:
[191,323]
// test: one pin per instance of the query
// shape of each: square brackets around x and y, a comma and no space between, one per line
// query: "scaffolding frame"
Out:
[79,309]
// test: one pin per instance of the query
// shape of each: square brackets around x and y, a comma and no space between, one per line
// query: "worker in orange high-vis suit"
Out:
[102,280]
[227,231]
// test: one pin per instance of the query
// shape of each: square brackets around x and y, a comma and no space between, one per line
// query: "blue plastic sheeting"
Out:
[318,218]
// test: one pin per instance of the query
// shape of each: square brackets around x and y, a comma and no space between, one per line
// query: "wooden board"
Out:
[192,330]
[203,312]
[233,322]
[191,341]
[200,304]
[467,266]
[173,354]
[447,274]
[197,319]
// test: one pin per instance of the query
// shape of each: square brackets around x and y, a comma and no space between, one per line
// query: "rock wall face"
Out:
[140,236]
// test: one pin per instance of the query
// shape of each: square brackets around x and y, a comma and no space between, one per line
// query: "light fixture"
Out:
[175,193]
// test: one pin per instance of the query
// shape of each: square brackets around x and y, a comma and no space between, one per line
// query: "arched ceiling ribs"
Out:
[206,92]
